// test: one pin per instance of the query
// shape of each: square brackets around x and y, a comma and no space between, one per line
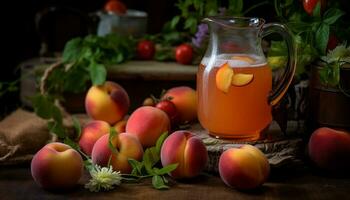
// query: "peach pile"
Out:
[108,102]
[91,133]
[57,166]
[329,149]
[127,146]
[243,168]
[225,77]
[147,123]
[185,100]
[187,150]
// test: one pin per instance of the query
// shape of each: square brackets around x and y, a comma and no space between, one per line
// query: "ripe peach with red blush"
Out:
[127,145]
[186,149]
[57,166]
[108,102]
[329,149]
[90,133]
[185,100]
[147,123]
[243,168]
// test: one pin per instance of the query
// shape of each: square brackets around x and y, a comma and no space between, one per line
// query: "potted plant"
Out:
[330,89]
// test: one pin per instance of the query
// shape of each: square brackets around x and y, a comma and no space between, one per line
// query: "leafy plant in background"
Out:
[312,32]
[334,60]
[84,60]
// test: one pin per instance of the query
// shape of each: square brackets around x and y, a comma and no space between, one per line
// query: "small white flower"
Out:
[103,178]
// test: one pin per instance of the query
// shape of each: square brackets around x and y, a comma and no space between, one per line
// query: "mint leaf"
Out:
[332,15]
[322,36]
[136,166]
[149,159]
[72,50]
[160,142]
[158,183]
[112,133]
[98,73]
[167,169]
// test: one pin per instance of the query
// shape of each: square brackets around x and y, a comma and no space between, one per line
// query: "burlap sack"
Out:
[22,134]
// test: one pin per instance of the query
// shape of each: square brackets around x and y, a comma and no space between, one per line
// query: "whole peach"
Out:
[329,149]
[184,148]
[91,132]
[243,168]
[185,100]
[147,123]
[108,102]
[127,145]
[57,166]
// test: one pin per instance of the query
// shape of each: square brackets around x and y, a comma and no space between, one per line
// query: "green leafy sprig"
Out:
[148,166]
[84,60]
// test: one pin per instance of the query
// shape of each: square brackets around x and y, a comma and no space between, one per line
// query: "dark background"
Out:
[20,38]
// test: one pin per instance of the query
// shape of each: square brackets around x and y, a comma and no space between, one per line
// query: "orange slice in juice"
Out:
[242,79]
[247,59]
[224,77]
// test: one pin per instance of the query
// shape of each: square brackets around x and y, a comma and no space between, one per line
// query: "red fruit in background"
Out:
[170,109]
[309,5]
[116,7]
[145,50]
[184,54]
[332,42]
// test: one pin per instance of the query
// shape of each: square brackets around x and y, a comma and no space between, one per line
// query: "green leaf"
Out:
[167,169]
[317,10]
[136,166]
[191,23]
[98,73]
[160,141]
[71,143]
[72,50]
[322,36]
[149,160]
[56,128]
[332,15]
[76,125]
[42,106]
[174,22]
[112,133]
[158,183]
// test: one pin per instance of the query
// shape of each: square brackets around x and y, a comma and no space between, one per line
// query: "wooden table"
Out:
[300,183]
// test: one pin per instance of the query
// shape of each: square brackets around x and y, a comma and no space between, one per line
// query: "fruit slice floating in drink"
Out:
[224,77]
[242,79]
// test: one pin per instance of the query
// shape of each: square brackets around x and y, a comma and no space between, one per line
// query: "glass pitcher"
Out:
[234,82]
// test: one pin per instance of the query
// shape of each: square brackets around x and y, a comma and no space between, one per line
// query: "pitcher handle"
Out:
[281,88]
